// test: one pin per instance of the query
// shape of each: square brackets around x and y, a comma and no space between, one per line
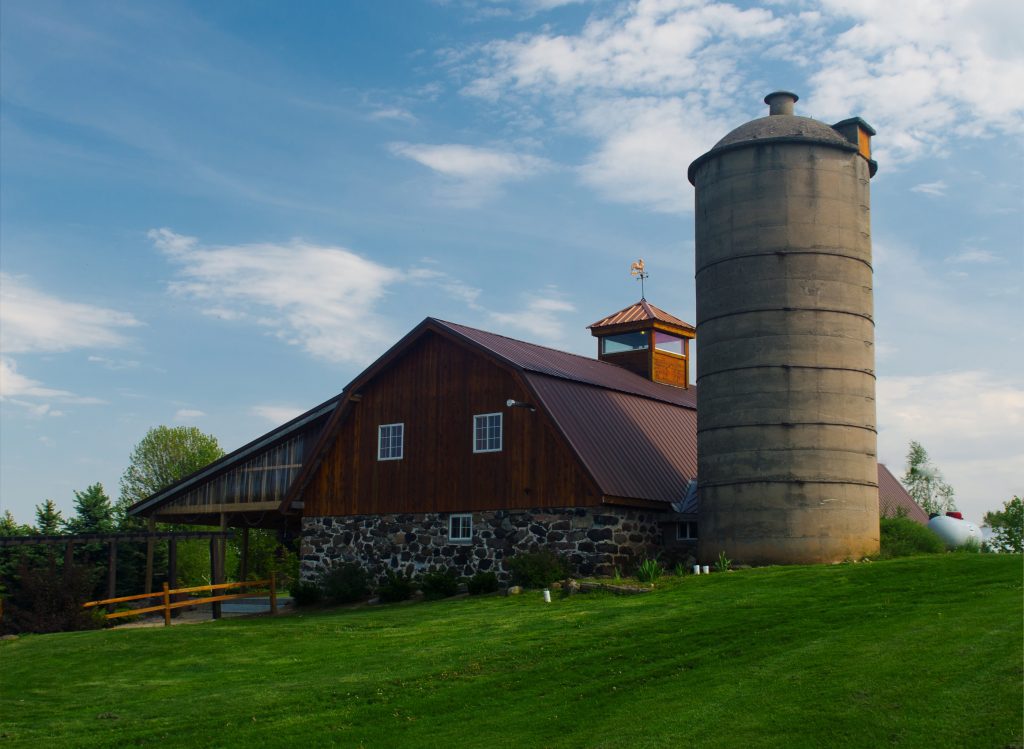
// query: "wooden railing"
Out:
[168,603]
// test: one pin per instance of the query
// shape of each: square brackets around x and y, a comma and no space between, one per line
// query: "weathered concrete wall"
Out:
[786,390]
[594,540]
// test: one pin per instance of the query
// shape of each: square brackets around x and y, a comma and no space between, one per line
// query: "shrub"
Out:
[902,537]
[648,571]
[345,582]
[45,599]
[679,570]
[304,593]
[482,582]
[396,587]
[537,569]
[439,584]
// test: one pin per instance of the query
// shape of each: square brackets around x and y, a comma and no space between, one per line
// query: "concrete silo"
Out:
[786,445]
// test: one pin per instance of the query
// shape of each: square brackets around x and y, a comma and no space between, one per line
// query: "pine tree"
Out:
[93,512]
[48,518]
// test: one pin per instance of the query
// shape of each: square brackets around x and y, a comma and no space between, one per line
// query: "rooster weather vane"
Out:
[639,271]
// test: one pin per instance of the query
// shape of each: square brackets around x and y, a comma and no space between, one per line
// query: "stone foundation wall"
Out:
[594,540]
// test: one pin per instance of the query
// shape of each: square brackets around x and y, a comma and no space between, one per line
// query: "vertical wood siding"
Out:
[435,388]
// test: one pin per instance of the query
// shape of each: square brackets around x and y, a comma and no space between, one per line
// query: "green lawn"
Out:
[923,652]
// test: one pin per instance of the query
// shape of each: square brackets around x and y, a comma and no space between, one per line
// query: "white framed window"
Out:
[460,528]
[389,441]
[487,433]
[686,531]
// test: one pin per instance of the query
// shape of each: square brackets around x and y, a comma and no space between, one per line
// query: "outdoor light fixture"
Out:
[513,403]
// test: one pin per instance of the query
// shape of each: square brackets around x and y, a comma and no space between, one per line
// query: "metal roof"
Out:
[633,446]
[641,311]
[530,357]
[892,497]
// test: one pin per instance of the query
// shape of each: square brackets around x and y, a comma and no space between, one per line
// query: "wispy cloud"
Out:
[393,113]
[472,174]
[277,414]
[539,315]
[969,421]
[188,414]
[320,298]
[935,189]
[15,388]
[34,321]
[974,257]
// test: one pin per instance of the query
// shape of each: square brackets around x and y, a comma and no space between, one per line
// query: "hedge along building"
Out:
[786,433]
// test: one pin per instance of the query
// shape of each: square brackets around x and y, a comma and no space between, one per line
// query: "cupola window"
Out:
[614,344]
[667,342]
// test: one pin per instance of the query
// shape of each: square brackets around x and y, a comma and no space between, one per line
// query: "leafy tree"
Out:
[1007,526]
[49,521]
[164,456]
[924,482]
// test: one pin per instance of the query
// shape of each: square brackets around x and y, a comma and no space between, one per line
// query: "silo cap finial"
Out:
[781,102]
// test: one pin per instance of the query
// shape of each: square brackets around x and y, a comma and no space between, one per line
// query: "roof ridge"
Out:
[519,340]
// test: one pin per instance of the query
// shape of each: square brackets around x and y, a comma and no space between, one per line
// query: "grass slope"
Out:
[923,652]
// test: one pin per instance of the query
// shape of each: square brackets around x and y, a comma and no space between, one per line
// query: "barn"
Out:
[459,448]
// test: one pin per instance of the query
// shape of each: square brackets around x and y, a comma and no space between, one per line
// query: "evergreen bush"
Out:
[345,582]
[482,582]
[439,584]
[304,593]
[396,587]
[537,569]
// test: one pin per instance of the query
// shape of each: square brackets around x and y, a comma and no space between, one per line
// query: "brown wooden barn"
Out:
[458,448]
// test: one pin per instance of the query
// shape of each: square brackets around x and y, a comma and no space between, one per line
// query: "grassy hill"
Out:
[923,652]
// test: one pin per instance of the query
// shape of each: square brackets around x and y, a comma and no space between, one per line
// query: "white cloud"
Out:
[656,82]
[115,364]
[969,421]
[277,414]
[393,113]
[935,189]
[15,388]
[973,256]
[320,298]
[539,315]
[33,321]
[472,174]
[188,414]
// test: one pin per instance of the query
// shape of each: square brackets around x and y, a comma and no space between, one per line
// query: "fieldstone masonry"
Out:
[594,540]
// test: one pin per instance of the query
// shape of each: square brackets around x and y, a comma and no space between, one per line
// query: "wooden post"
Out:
[151,526]
[167,606]
[273,593]
[69,555]
[243,573]
[214,575]
[172,562]
[112,575]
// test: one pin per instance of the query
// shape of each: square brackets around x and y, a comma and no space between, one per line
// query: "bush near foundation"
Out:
[345,582]
[537,569]
[439,584]
[396,587]
[304,593]
[482,582]
[902,537]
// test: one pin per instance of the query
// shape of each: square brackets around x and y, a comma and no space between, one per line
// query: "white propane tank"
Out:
[954,531]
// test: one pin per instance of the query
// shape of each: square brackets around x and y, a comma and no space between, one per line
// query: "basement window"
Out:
[487,433]
[686,531]
[389,441]
[670,343]
[460,528]
[615,344]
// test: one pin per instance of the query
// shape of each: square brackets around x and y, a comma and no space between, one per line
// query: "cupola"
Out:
[648,341]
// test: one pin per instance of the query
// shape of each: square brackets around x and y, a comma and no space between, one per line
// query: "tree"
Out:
[1007,526]
[164,456]
[924,482]
[11,527]
[93,512]
[48,518]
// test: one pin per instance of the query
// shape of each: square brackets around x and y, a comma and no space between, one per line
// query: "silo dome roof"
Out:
[783,126]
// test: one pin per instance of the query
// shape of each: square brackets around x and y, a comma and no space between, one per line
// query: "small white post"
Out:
[696,569]
[547,596]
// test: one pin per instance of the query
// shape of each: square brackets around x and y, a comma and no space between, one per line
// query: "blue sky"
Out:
[217,214]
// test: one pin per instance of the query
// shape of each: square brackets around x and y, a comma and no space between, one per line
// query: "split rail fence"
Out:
[169,598]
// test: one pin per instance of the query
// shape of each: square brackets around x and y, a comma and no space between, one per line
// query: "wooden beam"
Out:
[150,542]
[69,555]
[112,574]
[243,573]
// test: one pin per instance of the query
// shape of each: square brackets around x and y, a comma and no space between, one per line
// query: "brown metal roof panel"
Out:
[633,446]
[640,312]
[552,362]
[893,497]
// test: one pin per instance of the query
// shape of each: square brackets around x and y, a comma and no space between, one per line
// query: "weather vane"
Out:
[639,272]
